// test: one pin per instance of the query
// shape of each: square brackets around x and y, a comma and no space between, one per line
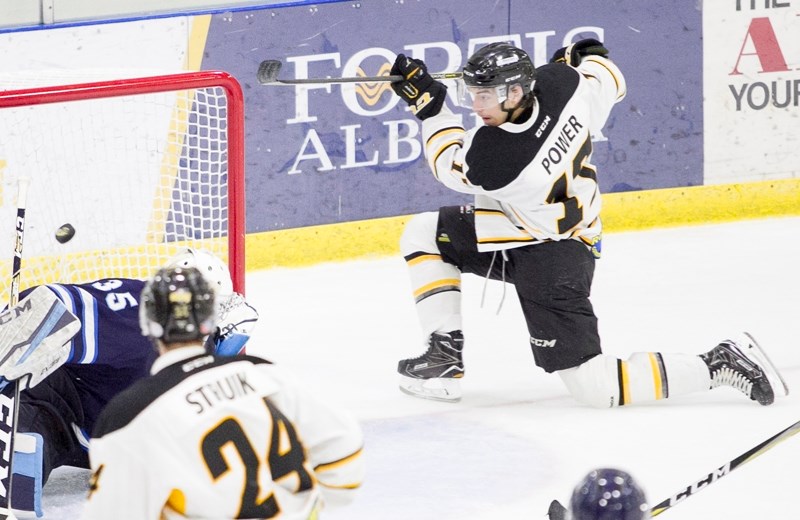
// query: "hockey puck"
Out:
[65,233]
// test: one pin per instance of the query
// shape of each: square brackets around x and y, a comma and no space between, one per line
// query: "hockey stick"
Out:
[268,72]
[9,395]
[725,469]
[559,512]
[16,268]
[34,338]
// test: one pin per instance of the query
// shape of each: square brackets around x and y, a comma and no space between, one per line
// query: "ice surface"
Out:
[517,440]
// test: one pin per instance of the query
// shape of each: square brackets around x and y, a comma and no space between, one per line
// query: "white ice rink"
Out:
[517,439]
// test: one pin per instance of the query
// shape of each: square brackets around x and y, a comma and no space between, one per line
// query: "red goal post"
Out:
[140,167]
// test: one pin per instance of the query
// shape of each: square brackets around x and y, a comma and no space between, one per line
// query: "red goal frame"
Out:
[165,83]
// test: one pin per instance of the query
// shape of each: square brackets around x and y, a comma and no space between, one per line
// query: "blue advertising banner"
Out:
[321,154]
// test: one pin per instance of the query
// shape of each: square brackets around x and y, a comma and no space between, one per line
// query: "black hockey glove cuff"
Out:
[573,54]
[423,94]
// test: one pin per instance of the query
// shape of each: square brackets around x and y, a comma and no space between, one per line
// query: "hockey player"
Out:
[603,494]
[214,437]
[536,224]
[608,494]
[57,414]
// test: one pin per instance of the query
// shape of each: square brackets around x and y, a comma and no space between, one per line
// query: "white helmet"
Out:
[212,268]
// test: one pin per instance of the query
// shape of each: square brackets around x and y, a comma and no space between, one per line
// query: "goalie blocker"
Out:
[33,336]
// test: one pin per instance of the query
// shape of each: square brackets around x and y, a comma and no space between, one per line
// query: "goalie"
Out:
[67,381]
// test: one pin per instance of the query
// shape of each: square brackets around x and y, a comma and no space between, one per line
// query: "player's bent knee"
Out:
[593,383]
[420,234]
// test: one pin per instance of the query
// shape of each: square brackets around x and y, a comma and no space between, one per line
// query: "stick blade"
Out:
[268,71]
[556,511]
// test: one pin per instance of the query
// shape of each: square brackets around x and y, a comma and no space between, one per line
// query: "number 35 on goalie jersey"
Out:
[108,310]
[217,437]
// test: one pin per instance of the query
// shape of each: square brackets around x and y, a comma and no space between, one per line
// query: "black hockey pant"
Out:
[552,279]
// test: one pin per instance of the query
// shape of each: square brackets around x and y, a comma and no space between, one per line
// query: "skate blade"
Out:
[766,363]
[438,389]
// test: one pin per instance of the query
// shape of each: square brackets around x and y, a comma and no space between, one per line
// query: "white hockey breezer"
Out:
[436,373]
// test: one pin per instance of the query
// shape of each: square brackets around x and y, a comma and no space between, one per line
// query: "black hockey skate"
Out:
[435,374]
[742,364]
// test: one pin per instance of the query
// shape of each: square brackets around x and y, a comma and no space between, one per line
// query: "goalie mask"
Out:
[608,494]
[177,304]
[491,71]
[214,269]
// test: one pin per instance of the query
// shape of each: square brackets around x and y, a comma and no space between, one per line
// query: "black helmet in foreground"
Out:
[608,494]
[177,304]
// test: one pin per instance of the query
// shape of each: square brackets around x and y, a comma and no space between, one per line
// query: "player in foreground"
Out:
[604,494]
[536,223]
[215,437]
[57,412]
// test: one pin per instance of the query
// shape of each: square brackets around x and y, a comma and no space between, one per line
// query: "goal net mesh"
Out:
[140,168]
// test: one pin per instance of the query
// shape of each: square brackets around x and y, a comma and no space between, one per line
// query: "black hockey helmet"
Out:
[177,304]
[608,494]
[499,63]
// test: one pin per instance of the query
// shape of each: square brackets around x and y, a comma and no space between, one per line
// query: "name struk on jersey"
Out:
[219,391]
[227,444]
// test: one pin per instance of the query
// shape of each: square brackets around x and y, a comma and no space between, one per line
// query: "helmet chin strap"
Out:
[522,104]
[509,111]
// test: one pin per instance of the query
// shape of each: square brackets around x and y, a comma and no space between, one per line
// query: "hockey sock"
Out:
[436,285]
[606,381]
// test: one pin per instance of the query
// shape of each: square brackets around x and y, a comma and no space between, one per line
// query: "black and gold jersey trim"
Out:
[128,404]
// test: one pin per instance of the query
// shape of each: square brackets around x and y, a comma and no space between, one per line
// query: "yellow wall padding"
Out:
[626,211]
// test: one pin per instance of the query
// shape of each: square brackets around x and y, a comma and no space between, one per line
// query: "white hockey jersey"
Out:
[532,181]
[222,438]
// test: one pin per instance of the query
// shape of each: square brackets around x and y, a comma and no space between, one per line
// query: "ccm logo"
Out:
[536,342]
[543,126]
[16,312]
[6,428]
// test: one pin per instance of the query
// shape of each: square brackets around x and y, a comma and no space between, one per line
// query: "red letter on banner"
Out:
[767,48]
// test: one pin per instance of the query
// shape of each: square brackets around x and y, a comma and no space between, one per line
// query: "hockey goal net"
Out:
[139,167]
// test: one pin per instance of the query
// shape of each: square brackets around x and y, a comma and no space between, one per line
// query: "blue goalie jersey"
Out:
[109,353]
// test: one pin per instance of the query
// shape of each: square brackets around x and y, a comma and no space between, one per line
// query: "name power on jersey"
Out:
[65,233]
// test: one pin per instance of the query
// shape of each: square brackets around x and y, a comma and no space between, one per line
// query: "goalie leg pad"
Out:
[26,475]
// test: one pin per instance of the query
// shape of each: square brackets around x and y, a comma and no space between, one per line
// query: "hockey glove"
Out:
[573,54]
[230,344]
[236,322]
[34,338]
[423,94]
